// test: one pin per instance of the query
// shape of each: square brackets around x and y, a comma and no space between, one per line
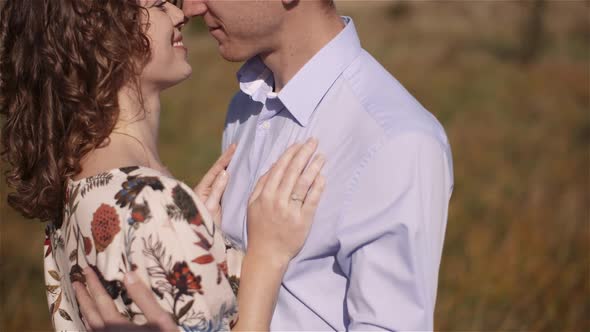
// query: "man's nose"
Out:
[193,8]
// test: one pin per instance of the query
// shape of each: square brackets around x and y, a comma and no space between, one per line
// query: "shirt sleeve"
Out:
[175,248]
[391,235]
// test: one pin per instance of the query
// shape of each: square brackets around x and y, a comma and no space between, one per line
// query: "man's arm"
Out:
[392,233]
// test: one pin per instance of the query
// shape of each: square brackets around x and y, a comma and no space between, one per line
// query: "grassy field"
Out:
[516,255]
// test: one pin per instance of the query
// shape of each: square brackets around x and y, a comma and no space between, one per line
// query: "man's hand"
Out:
[101,314]
[213,184]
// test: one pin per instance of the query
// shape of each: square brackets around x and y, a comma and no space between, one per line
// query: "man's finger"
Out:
[103,301]
[87,307]
[144,298]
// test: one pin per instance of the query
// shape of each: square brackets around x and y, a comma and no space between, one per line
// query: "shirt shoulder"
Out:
[389,105]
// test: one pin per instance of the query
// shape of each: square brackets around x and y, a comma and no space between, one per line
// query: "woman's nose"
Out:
[177,16]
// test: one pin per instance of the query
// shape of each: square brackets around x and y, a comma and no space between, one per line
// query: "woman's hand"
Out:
[213,184]
[280,212]
[283,204]
[100,313]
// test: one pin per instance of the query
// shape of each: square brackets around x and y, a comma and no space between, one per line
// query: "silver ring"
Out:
[297,199]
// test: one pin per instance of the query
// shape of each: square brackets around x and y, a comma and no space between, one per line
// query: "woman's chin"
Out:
[171,82]
[188,72]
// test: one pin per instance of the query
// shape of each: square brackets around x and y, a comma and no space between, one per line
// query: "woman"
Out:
[80,84]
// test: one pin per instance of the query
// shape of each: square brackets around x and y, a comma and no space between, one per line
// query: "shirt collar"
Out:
[307,88]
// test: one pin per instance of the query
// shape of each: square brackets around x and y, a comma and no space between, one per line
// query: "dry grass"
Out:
[517,247]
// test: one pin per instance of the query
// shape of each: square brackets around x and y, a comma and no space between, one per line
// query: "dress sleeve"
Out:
[173,245]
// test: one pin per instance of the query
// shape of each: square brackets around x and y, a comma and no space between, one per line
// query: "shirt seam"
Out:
[353,183]
[367,158]
[388,132]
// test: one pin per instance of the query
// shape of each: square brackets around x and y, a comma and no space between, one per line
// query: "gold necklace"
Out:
[160,167]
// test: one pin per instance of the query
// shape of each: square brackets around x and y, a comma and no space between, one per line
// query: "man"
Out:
[371,260]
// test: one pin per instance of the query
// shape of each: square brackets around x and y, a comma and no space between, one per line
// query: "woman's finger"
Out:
[296,168]
[313,197]
[220,165]
[276,175]
[306,180]
[259,186]
[103,301]
[144,298]
[217,190]
[87,307]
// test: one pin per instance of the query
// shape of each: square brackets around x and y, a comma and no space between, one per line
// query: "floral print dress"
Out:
[138,219]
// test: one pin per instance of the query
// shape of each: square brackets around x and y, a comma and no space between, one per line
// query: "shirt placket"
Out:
[258,153]
[263,126]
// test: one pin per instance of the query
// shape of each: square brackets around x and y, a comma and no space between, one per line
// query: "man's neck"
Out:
[304,35]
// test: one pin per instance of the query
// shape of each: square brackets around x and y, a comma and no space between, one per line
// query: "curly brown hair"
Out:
[62,64]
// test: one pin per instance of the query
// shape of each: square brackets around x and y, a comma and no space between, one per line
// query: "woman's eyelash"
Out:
[161,5]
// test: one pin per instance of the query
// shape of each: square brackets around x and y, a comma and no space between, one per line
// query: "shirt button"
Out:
[266,125]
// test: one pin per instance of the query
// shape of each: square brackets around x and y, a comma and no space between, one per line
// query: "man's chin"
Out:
[232,55]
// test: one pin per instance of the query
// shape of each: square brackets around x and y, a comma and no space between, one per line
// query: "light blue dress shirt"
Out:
[372,257]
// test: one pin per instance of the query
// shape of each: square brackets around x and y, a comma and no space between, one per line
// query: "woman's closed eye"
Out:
[177,3]
[161,4]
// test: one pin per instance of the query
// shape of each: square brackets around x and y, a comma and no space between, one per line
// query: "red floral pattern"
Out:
[151,214]
[104,226]
[87,245]
[183,279]
[47,245]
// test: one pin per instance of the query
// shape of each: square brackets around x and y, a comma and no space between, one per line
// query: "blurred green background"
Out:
[509,80]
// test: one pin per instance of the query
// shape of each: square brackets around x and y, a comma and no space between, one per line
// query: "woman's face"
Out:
[168,64]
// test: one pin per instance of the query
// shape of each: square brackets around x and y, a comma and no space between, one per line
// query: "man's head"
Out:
[245,28]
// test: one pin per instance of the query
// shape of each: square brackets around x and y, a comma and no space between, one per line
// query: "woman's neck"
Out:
[138,126]
[134,141]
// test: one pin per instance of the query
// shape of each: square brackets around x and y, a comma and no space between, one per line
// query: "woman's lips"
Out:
[177,43]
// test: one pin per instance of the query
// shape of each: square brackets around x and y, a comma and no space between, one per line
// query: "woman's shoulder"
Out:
[120,194]
[123,185]
[133,193]
[116,206]
[137,218]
